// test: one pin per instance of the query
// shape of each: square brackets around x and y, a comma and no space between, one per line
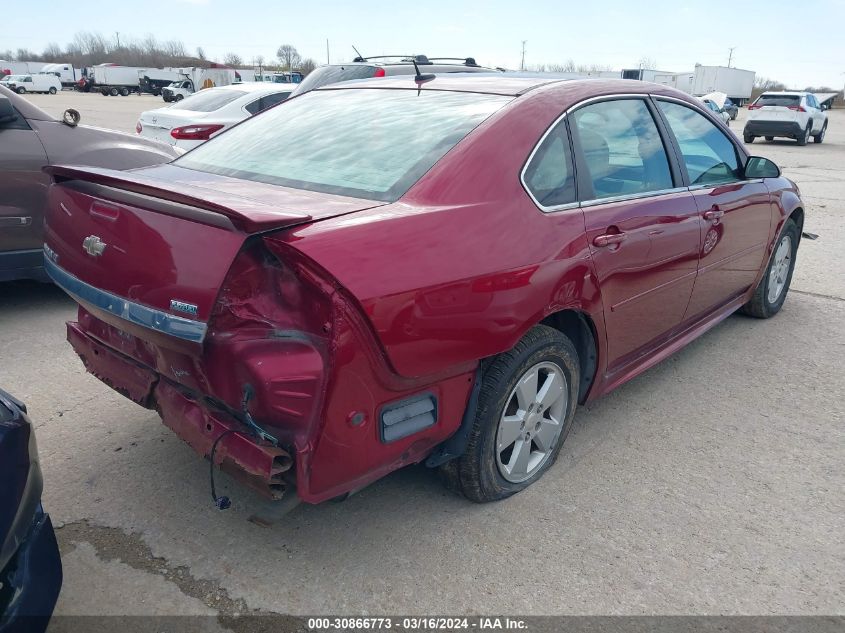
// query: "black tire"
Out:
[748,138]
[21,90]
[124,92]
[733,115]
[819,138]
[476,473]
[759,305]
[179,97]
[52,91]
[770,138]
[802,140]
[114,92]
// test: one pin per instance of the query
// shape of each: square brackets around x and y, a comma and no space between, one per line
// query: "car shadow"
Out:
[15,295]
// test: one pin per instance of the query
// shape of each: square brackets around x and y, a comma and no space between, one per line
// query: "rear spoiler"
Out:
[195,203]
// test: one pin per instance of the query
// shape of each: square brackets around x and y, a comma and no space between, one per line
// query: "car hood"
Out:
[716,97]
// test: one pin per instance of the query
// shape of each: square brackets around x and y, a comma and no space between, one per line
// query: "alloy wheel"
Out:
[779,271]
[531,423]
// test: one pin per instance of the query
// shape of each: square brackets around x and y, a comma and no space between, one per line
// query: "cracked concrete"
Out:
[712,484]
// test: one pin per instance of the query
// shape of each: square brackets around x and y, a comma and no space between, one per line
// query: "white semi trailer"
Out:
[734,82]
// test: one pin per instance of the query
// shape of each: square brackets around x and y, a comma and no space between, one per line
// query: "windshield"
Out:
[363,143]
[325,75]
[208,100]
[14,78]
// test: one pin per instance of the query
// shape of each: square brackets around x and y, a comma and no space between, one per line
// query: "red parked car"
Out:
[384,272]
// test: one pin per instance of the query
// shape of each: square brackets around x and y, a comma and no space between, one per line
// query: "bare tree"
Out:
[201,53]
[288,56]
[232,59]
[307,65]
[648,63]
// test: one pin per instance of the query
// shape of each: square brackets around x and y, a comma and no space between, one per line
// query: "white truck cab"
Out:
[32,83]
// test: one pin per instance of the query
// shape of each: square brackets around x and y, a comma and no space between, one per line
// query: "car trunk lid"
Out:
[152,247]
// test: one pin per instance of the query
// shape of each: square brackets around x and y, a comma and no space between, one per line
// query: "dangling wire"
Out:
[222,502]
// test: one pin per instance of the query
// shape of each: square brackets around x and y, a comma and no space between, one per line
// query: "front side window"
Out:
[365,143]
[709,155]
[548,176]
[621,148]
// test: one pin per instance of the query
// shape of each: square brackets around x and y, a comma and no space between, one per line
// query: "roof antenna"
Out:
[420,78]
[360,57]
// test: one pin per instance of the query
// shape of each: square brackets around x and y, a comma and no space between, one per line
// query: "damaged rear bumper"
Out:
[198,420]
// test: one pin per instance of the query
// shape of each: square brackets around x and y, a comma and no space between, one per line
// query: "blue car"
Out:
[30,567]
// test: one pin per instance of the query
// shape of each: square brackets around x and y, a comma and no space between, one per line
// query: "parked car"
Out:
[30,139]
[791,114]
[387,272]
[388,66]
[718,111]
[30,566]
[32,83]
[197,118]
[731,108]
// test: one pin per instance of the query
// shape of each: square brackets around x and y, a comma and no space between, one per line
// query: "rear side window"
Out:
[208,100]
[709,155]
[548,175]
[621,148]
[778,100]
[369,143]
[267,101]
[326,75]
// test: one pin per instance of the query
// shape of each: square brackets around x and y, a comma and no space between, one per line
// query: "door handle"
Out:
[714,213]
[608,239]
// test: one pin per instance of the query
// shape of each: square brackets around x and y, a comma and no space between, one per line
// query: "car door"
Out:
[735,214]
[22,194]
[642,223]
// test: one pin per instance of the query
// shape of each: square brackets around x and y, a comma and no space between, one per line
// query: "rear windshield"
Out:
[208,100]
[332,74]
[364,143]
[778,100]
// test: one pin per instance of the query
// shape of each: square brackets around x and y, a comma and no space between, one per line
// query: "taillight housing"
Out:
[797,108]
[138,127]
[754,106]
[198,132]
[379,72]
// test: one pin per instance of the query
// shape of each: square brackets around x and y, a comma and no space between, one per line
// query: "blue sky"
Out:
[799,43]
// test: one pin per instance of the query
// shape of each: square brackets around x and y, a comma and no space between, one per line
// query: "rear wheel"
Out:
[771,292]
[748,138]
[802,140]
[52,91]
[124,92]
[818,138]
[114,92]
[525,411]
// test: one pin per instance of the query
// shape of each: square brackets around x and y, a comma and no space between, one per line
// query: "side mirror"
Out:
[71,117]
[7,112]
[759,167]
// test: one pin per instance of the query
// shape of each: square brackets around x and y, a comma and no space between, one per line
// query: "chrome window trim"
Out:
[158,320]
[633,196]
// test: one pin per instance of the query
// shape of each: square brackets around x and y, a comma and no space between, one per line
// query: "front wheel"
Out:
[52,91]
[818,138]
[21,90]
[525,411]
[748,138]
[179,97]
[770,293]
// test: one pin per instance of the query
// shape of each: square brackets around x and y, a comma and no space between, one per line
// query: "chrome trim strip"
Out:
[186,329]
[632,196]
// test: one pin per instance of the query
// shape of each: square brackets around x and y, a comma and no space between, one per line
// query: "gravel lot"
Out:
[712,484]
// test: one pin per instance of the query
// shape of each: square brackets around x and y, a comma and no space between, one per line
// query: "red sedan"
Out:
[385,272]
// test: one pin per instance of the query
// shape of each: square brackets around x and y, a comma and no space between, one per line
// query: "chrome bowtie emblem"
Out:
[93,245]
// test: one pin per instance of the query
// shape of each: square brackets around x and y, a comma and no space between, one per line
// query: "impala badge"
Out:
[181,306]
[93,245]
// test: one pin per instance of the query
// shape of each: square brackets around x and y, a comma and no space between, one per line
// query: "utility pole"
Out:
[328,61]
[730,55]
[522,63]
[117,35]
